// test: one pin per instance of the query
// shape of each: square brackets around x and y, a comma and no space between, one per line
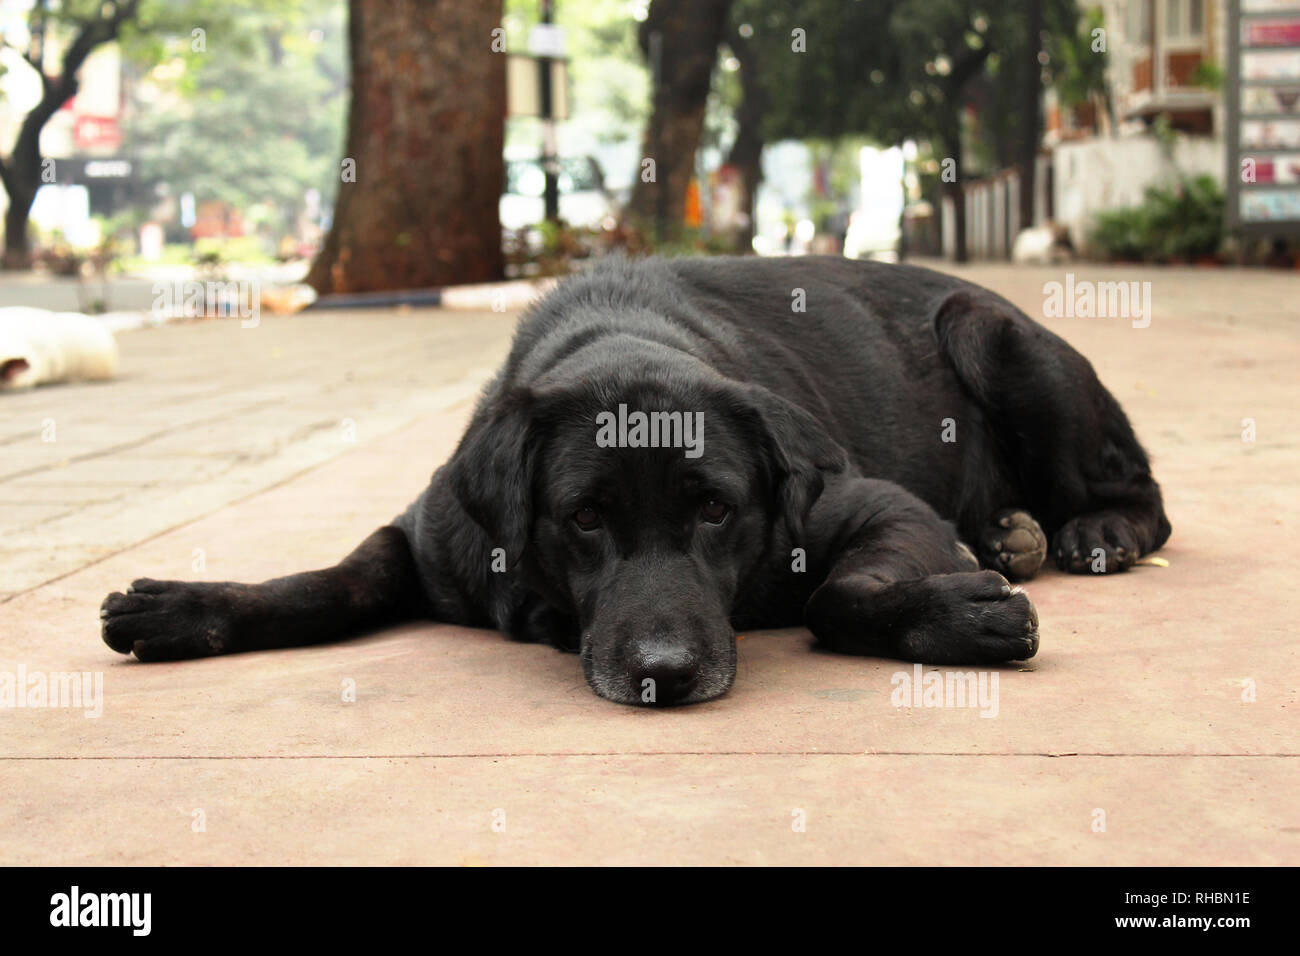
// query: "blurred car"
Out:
[584,201]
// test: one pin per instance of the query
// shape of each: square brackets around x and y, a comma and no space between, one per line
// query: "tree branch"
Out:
[970,64]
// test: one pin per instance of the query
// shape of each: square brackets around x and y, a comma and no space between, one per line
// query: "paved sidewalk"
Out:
[1137,713]
[207,412]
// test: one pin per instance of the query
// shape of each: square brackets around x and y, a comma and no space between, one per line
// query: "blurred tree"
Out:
[422,171]
[90,23]
[254,119]
[904,69]
[75,28]
[937,48]
[683,36]
[805,73]
[947,50]
[1077,60]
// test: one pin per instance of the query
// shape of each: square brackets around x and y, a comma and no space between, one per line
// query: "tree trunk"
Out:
[22,175]
[954,102]
[1031,110]
[17,254]
[422,174]
[955,190]
[746,152]
[690,32]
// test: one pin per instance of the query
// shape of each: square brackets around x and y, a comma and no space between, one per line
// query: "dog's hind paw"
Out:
[1100,543]
[1013,544]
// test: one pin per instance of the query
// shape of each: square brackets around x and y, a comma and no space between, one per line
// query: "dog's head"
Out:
[640,503]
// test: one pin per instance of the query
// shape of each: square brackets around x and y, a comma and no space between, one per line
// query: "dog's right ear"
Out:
[491,473]
[800,453]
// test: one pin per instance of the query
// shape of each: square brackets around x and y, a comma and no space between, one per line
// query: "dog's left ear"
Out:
[801,453]
[491,473]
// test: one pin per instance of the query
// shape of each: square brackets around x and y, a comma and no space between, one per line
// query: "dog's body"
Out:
[38,347]
[846,410]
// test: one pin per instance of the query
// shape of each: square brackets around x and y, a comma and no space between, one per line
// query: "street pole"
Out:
[550,163]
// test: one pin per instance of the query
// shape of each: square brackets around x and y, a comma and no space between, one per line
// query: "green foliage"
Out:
[1208,74]
[1078,70]
[1182,223]
[1123,234]
[897,69]
[255,118]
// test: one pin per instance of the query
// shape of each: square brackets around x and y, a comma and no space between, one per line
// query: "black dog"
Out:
[677,449]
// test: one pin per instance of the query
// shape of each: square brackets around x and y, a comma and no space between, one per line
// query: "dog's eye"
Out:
[587,518]
[714,511]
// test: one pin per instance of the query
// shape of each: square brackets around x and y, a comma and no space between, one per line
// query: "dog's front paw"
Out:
[1013,544]
[1099,543]
[969,618]
[168,620]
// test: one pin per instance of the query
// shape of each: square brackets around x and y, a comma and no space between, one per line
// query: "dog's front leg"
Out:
[902,585]
[173,620]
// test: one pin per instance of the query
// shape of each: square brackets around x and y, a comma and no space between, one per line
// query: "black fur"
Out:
[850,449]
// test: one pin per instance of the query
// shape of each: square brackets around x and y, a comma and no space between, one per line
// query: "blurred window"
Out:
[1184,19]
[1139,20]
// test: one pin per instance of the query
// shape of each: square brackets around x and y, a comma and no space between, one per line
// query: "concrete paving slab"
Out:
[634,810]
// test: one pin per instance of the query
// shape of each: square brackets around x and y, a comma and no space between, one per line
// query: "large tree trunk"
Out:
[690,31]
[426,128]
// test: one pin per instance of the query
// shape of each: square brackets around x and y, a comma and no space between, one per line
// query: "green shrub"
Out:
[1187,221]
[1182,222]
[1121,233]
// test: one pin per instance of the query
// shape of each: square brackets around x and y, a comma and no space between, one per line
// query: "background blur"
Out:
[371,145]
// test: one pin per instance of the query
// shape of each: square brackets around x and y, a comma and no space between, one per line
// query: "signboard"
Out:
[93,133]
[523,96]
[1263,103]
[546,39]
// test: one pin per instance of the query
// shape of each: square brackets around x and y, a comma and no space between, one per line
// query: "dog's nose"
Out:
[662,673]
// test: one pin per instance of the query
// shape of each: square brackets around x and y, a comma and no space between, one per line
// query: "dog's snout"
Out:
[663,673]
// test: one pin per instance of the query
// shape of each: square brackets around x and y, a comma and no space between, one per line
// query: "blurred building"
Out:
[1165,58]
